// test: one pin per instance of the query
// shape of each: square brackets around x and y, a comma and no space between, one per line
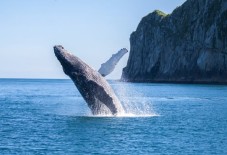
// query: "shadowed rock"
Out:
[95,90]
[108,66]
[188,46]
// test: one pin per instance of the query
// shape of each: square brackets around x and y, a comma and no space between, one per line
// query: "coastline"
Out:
[126,81]
[175,82]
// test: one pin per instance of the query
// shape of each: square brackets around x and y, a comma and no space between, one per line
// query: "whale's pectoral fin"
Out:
[107,67]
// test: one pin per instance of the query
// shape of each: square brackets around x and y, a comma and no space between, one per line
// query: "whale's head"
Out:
[70,63]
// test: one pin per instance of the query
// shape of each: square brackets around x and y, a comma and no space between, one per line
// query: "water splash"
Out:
[119,116]
[134,102]
[137,107]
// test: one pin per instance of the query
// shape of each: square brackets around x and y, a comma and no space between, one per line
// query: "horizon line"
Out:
[42,78]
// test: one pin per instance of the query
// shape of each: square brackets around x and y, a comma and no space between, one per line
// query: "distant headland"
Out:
[187,46]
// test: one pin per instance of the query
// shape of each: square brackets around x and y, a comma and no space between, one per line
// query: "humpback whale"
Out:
[95,90]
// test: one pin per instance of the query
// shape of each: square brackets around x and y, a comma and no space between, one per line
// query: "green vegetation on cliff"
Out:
[188,45]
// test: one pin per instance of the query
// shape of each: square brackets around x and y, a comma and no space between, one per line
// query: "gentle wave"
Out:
[122,115]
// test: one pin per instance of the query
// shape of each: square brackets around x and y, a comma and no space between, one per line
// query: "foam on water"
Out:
[138,106]
[134,103]
[51,117]
[123,115]
[133,108]
[137,115]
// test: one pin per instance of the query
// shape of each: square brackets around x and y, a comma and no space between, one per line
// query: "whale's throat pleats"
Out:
[99,108]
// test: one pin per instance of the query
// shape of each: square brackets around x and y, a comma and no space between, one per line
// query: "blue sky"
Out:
[91,29]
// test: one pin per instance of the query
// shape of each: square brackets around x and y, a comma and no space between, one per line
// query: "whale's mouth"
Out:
[65,58]
[58,51]
[58,47]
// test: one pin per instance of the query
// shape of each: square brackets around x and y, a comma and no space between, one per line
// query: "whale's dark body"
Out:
[96,91]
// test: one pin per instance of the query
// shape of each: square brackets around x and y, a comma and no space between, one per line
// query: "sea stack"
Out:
[187,46]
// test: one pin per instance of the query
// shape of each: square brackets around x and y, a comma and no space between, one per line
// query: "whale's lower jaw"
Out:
[95,90]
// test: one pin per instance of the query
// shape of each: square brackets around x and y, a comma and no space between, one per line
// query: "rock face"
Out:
[95,90]
[109,65]
[188,46]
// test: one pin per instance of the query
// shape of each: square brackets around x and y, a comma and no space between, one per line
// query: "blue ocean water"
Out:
[50,117]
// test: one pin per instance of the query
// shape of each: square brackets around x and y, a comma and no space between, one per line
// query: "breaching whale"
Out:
[95,90]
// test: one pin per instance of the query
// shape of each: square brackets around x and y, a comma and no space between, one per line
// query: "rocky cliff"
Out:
[189,45]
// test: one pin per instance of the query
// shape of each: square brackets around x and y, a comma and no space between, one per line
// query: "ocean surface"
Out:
[51,117]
